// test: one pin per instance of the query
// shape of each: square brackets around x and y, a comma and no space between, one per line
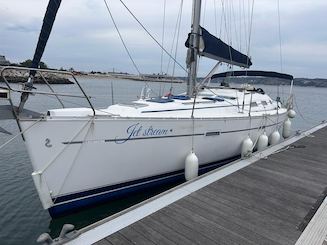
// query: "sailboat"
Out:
[82,156]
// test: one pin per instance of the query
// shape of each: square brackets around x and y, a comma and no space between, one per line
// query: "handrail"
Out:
[40,71]
[52,90]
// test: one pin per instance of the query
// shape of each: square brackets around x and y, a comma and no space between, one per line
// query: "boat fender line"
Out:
[247,147]
[262,142]
[291,113]
[287,125]
[191,166]
[274,138]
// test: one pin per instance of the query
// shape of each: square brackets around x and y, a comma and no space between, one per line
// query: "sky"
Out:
[84,37]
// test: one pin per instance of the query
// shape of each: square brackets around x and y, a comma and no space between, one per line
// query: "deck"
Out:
[260,200]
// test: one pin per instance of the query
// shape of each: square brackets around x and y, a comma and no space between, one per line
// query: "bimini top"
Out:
[253,74]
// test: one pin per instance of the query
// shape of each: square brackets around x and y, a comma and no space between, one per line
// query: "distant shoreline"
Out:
[21,76]
[148,78]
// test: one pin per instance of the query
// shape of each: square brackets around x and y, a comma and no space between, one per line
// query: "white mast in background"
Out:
[194,47]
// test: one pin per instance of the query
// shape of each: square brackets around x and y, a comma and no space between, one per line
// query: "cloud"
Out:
[84,36]
[21,28]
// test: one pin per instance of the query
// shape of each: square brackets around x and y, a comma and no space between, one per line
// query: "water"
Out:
[22,216]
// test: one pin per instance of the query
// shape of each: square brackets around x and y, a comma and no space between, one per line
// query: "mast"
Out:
[193,51]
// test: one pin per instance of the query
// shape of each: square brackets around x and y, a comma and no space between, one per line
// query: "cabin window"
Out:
[134,105]
[264,103]
[160,100]
[199,102]
[214,99]
[253,104]
[226,97]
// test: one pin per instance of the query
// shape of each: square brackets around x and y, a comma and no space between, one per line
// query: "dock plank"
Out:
[166,231]
[204,226]
[263,203]
[135,236]
[150,233]
[117,239]
[258,221]
[220,221]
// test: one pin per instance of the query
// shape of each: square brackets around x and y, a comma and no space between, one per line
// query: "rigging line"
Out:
[245,24]
[250,107]
[64,148]
[163,35]
[74,160]
[221,24]
[226,30]
[259,129]
[67,101]
[213,70]
[234,22]
[174,38]
[220,97]
[153,38]
[280,38]
[230,29]
[204,12]
[192,117]
[177,41]
[215,10]
[240,23]
[250,32]
[121,38]
[20,133]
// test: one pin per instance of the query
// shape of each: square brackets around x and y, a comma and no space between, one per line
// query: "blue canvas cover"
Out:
[254,73]
[214,48]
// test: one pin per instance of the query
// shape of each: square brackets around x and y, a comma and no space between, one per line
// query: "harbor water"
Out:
[22,218]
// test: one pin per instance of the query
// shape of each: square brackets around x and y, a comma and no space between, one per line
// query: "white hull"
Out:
[73,155]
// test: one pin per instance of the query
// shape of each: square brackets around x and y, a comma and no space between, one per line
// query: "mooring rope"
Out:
[20,133]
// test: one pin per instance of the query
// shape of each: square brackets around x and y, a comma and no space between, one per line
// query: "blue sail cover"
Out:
[253,73]
[214,48]
[48,21]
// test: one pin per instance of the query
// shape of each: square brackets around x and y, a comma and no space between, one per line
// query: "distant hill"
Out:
[305,82]
[315,82]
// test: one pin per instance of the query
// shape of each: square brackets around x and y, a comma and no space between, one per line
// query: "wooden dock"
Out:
[269,198]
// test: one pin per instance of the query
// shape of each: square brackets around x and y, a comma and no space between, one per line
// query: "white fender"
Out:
[274,138]
[287,128]
[247,146]
[191,166]
[262,142]
[291,113]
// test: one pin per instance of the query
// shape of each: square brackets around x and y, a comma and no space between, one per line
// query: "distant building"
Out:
[3,61]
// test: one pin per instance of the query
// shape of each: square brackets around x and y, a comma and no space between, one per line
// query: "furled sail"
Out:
[214,48]
[47,25]
[48,21]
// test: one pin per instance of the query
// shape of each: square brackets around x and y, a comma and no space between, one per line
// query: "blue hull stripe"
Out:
[73,202]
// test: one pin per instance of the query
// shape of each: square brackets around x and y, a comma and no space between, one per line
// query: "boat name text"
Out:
[138,130]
